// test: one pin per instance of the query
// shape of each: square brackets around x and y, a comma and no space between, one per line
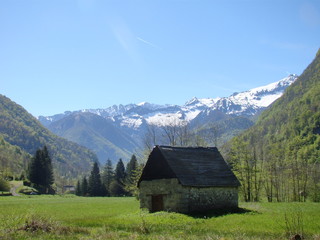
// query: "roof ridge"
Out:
[189,147]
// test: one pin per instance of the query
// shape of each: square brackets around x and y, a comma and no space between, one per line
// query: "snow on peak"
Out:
[164,119]
[265,95]
[243,103]
[209,102]
[143,104]
[200,103]
[279,85]
[193,101]
[150,106]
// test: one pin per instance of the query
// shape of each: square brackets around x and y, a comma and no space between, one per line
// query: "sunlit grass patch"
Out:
[70,217]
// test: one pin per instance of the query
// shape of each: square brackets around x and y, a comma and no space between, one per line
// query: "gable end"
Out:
[156,167]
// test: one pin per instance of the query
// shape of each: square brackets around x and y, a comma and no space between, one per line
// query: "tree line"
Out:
[281,172]
[118,181]
[179,133]
[39,173]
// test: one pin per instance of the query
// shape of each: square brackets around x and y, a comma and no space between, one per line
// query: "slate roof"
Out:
[193,166]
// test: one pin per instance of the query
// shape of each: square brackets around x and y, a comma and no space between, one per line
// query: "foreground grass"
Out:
[70,217]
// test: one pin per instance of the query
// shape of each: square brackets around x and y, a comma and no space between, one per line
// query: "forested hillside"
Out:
[279,157]
[13,160]
[21,129]
[224,130]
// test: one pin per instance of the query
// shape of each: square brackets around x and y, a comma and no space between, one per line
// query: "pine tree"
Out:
[107,175]
[117,187]
[40,170]
[132,187]
[131,175]
[131,168]
[84,187]
[95,185]
[35,169]
[48,178]
[78,189]
[120,172]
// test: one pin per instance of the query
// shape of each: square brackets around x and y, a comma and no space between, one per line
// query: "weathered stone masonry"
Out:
[187,179]
[185,199]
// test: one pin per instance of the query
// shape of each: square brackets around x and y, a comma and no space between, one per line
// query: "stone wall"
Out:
[185,199]
[173,194]
[201,199]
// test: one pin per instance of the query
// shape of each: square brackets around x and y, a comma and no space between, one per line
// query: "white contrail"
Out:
[148,43]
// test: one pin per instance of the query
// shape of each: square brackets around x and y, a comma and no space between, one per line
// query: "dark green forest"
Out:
[13,160]
[116,182]
[279,157]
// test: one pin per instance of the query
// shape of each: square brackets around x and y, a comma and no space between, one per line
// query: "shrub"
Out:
[4,185]
[35,223]
[27,190]
[26,183]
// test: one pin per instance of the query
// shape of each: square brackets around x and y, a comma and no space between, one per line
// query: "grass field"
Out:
[70,217]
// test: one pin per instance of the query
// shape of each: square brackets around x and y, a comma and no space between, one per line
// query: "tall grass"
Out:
[70,217]
[294,225]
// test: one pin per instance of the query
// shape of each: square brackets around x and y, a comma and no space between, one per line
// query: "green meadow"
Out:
[71,217]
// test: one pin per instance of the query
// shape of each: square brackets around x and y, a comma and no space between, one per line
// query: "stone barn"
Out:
[187,179]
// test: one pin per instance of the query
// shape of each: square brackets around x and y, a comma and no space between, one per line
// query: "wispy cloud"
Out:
[125,37]
[147,42]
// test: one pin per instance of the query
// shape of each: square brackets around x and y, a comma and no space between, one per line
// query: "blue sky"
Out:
[59,55]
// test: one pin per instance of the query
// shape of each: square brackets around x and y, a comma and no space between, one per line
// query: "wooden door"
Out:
[157,203]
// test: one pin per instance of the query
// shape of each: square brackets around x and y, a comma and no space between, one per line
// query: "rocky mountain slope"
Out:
[245,103]
[96,133]
[131,122]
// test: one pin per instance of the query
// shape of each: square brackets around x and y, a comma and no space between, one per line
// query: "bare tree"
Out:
[184,134]
[174,133]
[170,132]
[151,137]
[211,135]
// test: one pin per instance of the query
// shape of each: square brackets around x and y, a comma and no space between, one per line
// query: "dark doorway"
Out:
[157,203]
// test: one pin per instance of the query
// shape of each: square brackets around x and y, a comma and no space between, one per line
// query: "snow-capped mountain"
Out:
[134,116]
[246,103]
[133,119]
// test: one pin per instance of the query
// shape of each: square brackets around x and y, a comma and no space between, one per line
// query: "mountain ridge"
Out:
[243,103]
[91,130]
[131,122]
